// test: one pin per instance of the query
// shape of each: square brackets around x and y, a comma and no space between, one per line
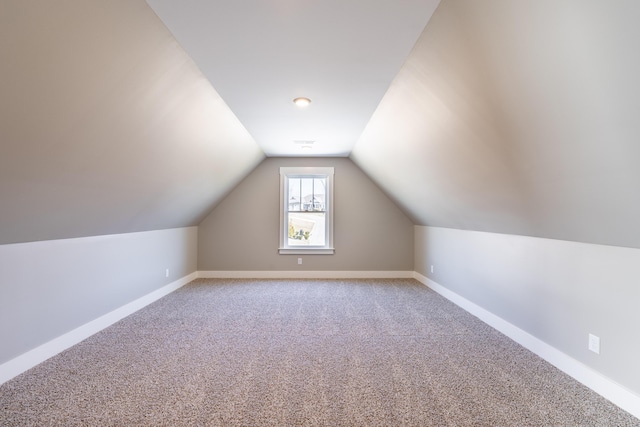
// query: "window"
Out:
[306,210]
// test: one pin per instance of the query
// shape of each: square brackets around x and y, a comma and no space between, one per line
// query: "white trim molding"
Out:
[287,173]
[616,393]
[295,274]
[28,360]
[303,251]
[619,395]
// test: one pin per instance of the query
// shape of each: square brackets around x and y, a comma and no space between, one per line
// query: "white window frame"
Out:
[306,172]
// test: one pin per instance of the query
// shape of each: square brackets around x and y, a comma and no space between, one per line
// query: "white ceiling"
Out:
[259,55]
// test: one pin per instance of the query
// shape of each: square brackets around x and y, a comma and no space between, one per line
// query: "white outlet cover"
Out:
[594,343]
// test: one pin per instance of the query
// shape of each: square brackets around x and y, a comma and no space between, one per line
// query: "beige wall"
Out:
[241,233]
[558,291]
[106,124]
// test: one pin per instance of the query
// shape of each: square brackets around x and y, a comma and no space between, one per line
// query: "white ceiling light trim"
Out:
[302,102]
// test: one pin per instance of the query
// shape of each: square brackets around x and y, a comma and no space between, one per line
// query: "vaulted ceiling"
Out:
[502,116]
[260,55]
[107,125]
[517,117]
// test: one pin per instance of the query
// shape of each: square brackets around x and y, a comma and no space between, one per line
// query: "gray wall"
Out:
[51,287]
[241,233]
[106,124]
[557,291]
[516,117]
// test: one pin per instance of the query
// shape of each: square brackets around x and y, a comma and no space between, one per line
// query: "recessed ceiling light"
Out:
[302,102]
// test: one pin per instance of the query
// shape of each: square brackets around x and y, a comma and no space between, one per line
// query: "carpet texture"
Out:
[297,353]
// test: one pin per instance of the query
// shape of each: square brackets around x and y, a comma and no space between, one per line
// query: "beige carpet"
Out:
[294,353]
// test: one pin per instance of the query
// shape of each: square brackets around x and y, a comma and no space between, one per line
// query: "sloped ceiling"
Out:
[106,124]
[512,117]
[517,117]
[261,54]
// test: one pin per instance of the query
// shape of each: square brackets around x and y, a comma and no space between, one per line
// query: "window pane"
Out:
[307,193]
[319,193]
[294,194]
[307,229]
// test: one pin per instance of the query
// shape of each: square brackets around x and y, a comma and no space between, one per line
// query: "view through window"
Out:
[306,209]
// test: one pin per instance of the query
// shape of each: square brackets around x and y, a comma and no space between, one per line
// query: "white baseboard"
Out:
[602,385]
[616,393]
[295,274]
[28,360]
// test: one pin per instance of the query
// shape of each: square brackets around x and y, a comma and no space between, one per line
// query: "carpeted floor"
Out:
[301,352]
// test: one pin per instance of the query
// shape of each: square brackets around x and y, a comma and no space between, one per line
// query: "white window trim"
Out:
[284,248]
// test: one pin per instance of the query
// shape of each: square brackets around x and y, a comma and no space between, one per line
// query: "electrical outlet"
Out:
[299,261]
[594,343]
[432,268]
[166,273]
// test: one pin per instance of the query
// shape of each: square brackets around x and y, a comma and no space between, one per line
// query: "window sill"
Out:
[309,251]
